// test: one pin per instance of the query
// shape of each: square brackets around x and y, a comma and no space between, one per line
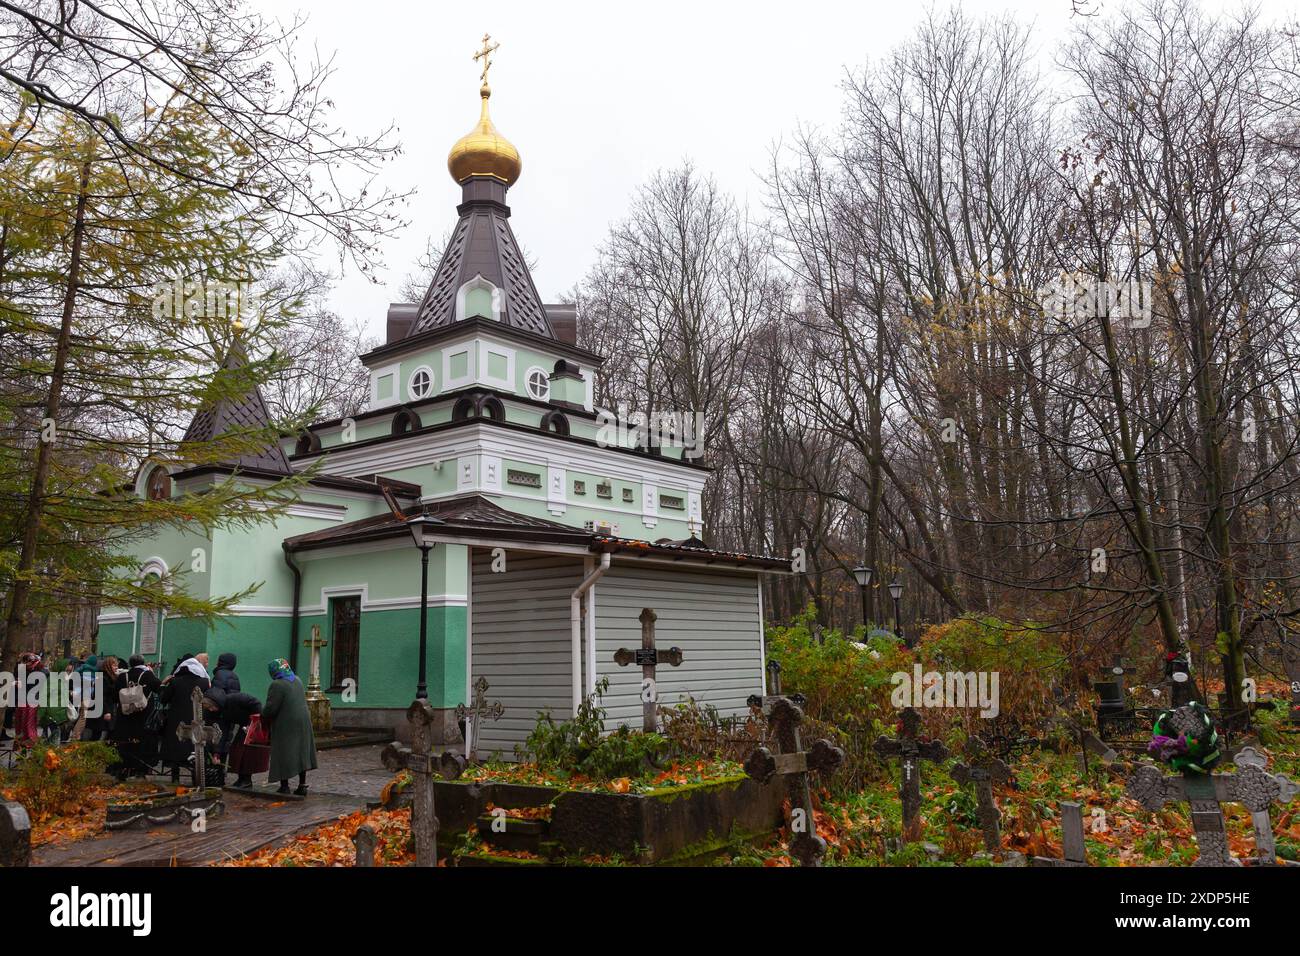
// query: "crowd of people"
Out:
[140,713]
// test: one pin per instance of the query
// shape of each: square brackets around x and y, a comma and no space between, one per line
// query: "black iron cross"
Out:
[419,759]
[1073,852]
[648,656]
[1205,793]
[479,709]
[911,752]
[1118,670]
[783,718]
[984,770]
[200,734]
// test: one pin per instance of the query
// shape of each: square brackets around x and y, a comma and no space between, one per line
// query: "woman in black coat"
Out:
[224,676]
[137,747]
[176,692]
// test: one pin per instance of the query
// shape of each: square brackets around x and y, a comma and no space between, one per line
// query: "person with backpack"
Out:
[137,690]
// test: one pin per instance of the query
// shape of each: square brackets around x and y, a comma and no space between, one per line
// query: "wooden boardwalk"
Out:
[248,823]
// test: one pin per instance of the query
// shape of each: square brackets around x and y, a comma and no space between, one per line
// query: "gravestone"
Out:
[1291,661]
[200,734]
[318,705]
[473,715]
[984,770]
[649,657]
[364,841]
[1072,847]
[783,719]
[15,835]
[1205,793]
[910,752]
[1279,789]
[419,760]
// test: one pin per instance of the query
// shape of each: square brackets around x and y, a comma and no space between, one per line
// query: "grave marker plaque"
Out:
[648,657]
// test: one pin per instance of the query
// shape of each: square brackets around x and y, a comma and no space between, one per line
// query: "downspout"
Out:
[575,625]
[293,618]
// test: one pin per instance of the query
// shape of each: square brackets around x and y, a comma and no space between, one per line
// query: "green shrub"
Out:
[54,781]
[577,747]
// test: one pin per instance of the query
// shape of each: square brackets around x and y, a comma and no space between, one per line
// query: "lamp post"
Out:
[896,592]
[417,527]
[862,574]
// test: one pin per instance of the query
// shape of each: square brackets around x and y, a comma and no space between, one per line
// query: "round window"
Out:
[421,383]
[538,384]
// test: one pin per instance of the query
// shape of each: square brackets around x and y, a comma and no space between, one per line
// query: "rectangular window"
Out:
[345,656]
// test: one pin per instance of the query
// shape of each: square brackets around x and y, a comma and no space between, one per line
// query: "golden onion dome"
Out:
[484,152]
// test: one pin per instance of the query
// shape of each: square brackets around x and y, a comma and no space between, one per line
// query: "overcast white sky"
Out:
[597,96]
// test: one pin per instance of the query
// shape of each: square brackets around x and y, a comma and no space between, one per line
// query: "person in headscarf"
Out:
[293,744]
[176,692]
[137,747]
[98,728]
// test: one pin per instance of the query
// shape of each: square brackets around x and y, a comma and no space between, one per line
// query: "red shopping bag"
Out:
[256,735]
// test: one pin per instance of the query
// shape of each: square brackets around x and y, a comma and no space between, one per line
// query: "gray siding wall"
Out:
[712,617]
[519,622]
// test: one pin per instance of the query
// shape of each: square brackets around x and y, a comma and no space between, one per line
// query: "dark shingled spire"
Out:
[247,412]
[483,244]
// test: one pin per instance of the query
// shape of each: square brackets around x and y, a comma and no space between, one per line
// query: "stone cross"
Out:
[364,841]
[1261,793]
[15,835]
[784,717]
[984,770]
[774,677]
[1073,852]
[200,734]
[419,759]
[478,709]
[911,752]
[648,657]
[1205,793]
[318,705]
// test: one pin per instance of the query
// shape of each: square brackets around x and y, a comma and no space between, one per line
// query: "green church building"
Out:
[551,528]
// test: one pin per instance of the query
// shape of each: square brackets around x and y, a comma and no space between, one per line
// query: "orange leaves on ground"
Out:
[331,844]
[523,813]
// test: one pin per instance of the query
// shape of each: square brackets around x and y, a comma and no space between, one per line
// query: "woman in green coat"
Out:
[293,745]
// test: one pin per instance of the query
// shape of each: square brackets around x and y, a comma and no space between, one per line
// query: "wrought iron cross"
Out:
[984,770]
[420,761]
[911,752]
[648,657]
[479,708]
[783,718]
[485,55]
[200,734]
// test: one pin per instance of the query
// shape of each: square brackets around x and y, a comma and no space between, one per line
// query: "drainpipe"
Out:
[575,625]
[293,619]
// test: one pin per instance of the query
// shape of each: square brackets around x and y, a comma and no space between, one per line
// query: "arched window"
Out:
[308,442]
[159,486]
[478,298]
[420,384]
[556,422]
[538,384]
[490,406]
[463,409]
[405,422]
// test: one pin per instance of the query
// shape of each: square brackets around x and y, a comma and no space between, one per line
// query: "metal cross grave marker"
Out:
[783,718]
[984,770]
[419,759]
[200,734]
[648,656]
[479,709]
[911,752]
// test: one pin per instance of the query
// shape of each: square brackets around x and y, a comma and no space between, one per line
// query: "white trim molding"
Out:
[410,384]
[488,348]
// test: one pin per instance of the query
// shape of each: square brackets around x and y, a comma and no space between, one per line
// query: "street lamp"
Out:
[862,574]
[896,592]
[418,526]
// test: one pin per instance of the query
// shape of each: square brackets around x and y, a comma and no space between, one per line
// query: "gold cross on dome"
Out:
[485,55]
